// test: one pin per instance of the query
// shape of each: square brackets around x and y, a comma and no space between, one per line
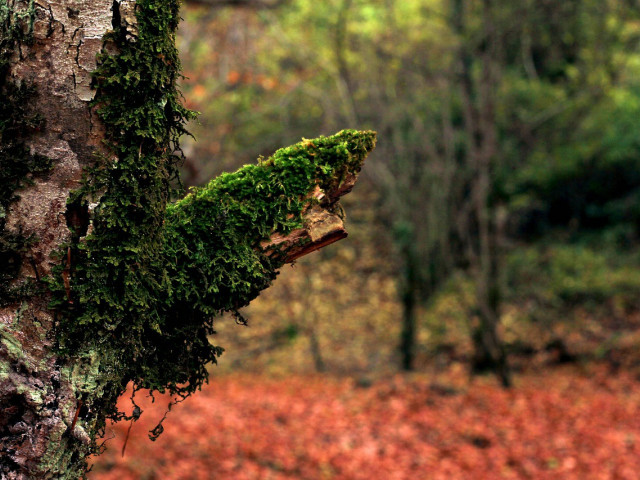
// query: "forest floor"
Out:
[563,423]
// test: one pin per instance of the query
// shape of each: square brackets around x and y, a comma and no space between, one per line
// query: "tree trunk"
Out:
[409,297]
[489,354]
[103,281]
[408,334]
[478,91]
[316,351]
[489,344]
[50,51]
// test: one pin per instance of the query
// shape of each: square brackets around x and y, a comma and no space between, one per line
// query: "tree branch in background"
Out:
[239,3]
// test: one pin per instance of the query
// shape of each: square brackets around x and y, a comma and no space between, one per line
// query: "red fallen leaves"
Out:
[561,425]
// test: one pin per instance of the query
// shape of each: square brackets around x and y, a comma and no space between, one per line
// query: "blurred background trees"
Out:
[500,213]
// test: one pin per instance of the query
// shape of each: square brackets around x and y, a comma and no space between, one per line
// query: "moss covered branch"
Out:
[220,246]
[226,240]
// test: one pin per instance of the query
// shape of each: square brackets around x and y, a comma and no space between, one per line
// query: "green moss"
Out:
[117,271]
[213,233]
[13,347]
[17,164]
[148,279]
[212,251]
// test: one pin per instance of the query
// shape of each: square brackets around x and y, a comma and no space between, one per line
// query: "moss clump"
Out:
[146,282]
[213,234]
[17,164]
[212,251]
[117,272]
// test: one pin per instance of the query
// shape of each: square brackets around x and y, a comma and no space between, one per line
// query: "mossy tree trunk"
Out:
[104,280]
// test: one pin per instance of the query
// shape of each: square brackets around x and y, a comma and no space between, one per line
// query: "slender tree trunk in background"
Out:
[489,287]
[489,350]
[343,79]
[316,351]
[478,96]
[409,292]
[408,335]
[103,281]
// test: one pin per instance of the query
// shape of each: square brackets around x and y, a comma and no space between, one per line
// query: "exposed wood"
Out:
[322,228]
[323,224]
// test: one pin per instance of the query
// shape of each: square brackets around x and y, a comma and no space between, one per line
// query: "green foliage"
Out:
[558,278]
[593,180]
[17,164]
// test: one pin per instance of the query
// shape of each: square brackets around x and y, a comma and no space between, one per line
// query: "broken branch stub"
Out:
[323,217]
[322,227]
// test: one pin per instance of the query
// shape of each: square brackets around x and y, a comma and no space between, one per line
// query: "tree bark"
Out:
[37,391]
[70,336]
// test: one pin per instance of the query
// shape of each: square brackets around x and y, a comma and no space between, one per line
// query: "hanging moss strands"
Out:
[109,288]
